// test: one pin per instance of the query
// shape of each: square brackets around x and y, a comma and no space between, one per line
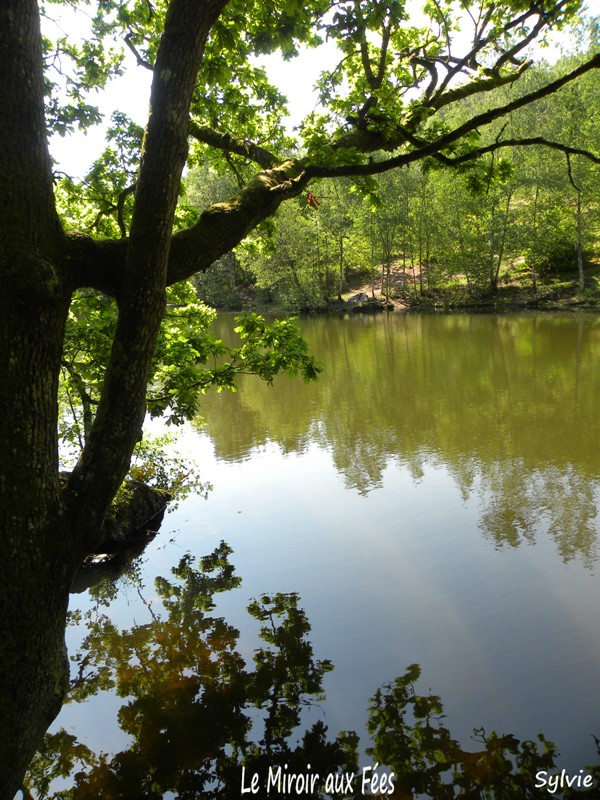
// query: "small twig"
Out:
[139,58]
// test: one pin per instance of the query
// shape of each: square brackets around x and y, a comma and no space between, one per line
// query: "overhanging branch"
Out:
[526,142]
[231,144]
[224,225]
[100,264]
[478,86]
[437,146]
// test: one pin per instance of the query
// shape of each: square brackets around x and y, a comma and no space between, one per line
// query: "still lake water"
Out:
[432,499]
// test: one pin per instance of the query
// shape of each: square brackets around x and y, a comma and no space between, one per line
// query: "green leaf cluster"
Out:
[188,359]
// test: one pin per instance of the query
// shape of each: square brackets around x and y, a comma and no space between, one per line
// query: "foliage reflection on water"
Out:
[197,713]
[506,404]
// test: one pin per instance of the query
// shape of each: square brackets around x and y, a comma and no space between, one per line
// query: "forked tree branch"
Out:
[438,145]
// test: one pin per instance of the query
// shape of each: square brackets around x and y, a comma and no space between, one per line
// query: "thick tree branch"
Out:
[540,141]
[231,144]
[100,264]
[224,225]
[492,81]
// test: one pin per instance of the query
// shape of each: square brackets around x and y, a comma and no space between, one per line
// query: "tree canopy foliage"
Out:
[401,92]
[389,101]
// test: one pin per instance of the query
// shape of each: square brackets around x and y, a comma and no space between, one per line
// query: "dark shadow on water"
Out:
[110,565]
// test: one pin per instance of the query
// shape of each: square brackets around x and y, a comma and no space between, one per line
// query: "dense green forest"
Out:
[523,224]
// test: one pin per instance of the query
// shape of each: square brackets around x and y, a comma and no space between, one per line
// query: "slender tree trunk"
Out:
[493,283]
[420,247]
[296,281]
[427,260]
[372,242]
[326,266]
[579,246]
[535,255]
[502,242]
[340,268]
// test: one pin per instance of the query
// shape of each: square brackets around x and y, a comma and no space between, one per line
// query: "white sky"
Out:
[296,79]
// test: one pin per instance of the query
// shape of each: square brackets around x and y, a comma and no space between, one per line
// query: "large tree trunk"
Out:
[34,671]
[37,559]
[38,556]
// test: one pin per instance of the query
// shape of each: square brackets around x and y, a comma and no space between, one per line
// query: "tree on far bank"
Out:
[382,105]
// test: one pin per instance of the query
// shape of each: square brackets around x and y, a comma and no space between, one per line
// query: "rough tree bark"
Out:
[36,553]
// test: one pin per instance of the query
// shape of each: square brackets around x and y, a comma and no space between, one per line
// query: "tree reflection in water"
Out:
[197,714]
[505,404]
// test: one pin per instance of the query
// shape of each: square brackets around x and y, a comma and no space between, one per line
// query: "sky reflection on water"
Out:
[432,500]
